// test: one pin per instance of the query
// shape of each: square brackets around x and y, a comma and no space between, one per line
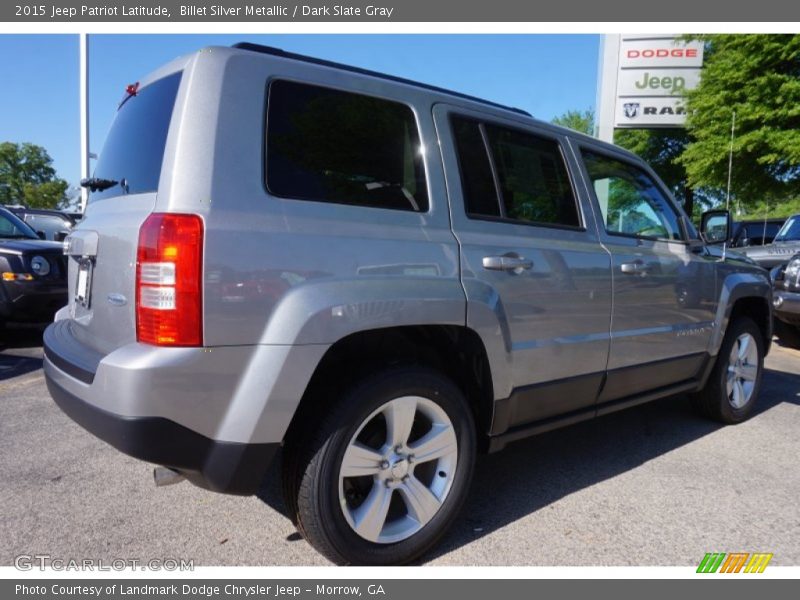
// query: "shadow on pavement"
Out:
[531,474]
[19,350]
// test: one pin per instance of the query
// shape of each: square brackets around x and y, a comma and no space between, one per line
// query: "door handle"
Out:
[506,263]
[636,267]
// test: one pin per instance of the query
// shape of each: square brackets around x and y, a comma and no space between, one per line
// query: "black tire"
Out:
[789,335]
[713,400]
[311,478]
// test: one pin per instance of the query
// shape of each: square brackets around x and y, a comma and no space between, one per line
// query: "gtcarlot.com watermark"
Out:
[42,562]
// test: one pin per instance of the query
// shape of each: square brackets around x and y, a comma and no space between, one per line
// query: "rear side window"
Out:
[477,182]
[134,149]
[513,175]
[331,146]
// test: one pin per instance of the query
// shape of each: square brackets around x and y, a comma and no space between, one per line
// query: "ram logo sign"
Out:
[734,562]
[631,109]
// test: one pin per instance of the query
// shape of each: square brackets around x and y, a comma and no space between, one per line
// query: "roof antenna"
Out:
[730,163]
[728,194]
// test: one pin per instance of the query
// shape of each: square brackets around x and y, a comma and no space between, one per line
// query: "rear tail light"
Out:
[169,280]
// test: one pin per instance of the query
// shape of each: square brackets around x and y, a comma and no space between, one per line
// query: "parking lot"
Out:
[654,485]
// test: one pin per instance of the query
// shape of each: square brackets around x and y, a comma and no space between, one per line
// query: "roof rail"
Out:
[326,63]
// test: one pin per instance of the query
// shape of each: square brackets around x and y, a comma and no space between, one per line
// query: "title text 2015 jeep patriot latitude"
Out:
[382,278]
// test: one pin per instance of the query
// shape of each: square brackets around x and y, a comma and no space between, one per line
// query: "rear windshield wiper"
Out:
[98,184]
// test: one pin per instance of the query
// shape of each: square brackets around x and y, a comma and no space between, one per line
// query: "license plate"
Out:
[83,286]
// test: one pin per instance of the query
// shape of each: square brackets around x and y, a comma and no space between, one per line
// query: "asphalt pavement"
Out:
[653,485]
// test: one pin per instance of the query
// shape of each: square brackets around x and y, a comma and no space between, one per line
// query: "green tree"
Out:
[27,177]
[758,77]
[579,120]
[661,149]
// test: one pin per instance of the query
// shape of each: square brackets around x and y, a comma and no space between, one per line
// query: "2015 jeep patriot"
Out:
[382,278]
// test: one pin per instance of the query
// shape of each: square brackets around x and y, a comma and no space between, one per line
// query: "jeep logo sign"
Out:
[653,75]
[656,82]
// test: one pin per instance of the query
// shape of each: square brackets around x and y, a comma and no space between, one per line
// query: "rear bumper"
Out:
[217,415]
[227,467]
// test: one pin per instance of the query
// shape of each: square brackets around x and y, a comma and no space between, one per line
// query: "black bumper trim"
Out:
[228,467]
[65,352]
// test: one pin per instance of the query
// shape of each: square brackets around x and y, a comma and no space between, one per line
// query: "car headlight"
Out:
[40,266]
[792,273]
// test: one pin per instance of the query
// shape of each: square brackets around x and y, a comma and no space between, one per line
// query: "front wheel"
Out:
[387,468]
[732,388]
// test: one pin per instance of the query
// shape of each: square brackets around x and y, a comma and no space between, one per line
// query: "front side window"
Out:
[513,175]
[13,227]
[630,201]
[327,145]
[790,230]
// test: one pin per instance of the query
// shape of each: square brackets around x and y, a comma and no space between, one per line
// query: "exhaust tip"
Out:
[164,476]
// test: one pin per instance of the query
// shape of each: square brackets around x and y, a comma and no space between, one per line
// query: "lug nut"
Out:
[384,464]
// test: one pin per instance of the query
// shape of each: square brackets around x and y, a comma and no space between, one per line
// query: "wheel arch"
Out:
[456,351]
[744,294]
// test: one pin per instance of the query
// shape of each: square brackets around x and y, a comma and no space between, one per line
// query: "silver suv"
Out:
[381,279]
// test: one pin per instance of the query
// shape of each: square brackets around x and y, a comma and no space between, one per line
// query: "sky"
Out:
[546,75]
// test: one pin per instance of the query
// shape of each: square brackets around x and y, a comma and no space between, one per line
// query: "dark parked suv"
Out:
[382,278]
[34,279]
[785,244]
[786,300]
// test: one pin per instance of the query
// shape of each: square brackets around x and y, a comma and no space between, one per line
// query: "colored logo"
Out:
[735,562]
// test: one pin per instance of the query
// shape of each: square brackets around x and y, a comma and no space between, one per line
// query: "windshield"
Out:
[134,148]
[12,227]
[790,230]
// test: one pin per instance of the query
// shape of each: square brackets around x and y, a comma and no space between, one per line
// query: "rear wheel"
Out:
[789,335]
[732,387]
[384,473]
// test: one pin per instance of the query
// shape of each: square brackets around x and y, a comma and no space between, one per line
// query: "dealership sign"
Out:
[654,74]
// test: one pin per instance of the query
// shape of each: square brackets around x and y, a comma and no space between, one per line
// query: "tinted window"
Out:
[477,183]
[13,227]
[533,178]
[531,182]
[333,146]
[630,201]
[790,230]
[134,148]
[49,224]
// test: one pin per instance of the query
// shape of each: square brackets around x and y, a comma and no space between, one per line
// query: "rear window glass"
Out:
[529,182]
[332,146]
[134,148]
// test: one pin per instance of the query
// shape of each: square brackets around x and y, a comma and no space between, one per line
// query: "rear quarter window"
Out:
[134,148]
[332,146]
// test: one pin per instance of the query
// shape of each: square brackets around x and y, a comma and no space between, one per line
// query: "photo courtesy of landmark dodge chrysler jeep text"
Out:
[380,278]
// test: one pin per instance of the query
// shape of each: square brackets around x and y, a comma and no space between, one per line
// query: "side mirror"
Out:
[716,226]
[42,235]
